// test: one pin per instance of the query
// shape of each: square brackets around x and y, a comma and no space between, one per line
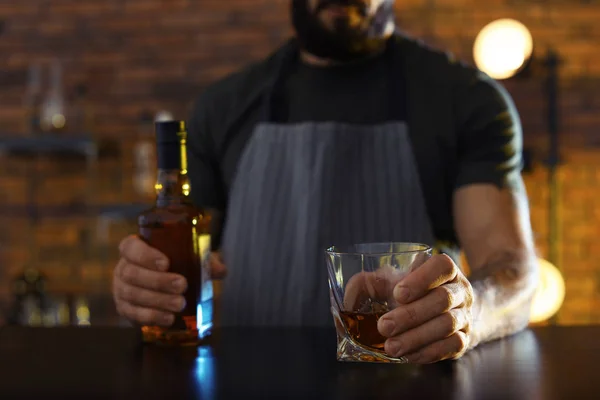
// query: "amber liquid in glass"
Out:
[362,328]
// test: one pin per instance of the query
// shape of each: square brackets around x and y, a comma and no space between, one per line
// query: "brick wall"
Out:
[151,55]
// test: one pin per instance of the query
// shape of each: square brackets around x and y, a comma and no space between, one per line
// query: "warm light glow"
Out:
[550,293]
[35,318]
[58,121]
[83,313]
[502,48]
[186,189]
[158,186]
[194,221]
[63,314]
[163,116]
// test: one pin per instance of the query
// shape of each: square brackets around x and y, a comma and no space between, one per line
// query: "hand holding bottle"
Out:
[143,289]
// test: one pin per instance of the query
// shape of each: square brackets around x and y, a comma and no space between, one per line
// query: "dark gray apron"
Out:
[301,188]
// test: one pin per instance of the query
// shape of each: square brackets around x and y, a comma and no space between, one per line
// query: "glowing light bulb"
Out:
[550,293]
[502,48]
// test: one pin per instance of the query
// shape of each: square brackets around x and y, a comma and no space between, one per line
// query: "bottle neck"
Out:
[172,187]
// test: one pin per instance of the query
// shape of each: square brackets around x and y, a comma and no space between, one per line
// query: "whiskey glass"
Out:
[362,278]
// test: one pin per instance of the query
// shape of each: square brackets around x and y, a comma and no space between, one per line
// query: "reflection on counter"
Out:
[480,369]
[205,373]
[465,379]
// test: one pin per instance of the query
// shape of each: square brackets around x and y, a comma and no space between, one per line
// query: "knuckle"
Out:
[411,314]
[125,310]
[147,316]
[462,342]
[129,273]
[446,265]
[118,267]
[446,298]
[126,293]
[118,271]
[116,293]
[125,244]
[397,347]
[468,320]
[453,323]
[417,357]
[164,304]
[469,296]
[172,303]
[134,250]
[120,308]
[116,280]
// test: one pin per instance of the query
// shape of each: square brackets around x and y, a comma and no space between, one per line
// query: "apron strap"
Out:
[273,107]
[397,76]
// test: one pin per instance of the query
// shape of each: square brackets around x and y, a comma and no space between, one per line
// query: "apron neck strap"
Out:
[274,108]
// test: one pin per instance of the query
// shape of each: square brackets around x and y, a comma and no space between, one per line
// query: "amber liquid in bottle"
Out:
[180,231]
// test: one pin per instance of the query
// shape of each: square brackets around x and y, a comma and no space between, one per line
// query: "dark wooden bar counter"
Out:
[97,363]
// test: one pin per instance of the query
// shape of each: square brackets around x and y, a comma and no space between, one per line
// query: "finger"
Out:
[408,316]
[433,273]
[419,260]
[117,272]
[355,293]
[164,282]
[451,348]
[377,285]
[381,282]
[430,332]
[145,316]
[149,299]
[218,270]
[117,279]
[136,251]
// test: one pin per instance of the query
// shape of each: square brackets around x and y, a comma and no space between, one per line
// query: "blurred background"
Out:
[81,83]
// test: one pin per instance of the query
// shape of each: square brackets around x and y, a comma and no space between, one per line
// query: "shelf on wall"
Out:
[114,211]
[81,144]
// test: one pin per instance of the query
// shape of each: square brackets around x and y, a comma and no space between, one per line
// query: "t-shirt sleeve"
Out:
[203,164]
[489,134]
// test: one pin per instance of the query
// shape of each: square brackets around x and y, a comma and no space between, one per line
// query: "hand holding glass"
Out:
[362,278]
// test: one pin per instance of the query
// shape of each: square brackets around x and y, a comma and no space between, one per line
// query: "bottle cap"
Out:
[169,131]
[169,135]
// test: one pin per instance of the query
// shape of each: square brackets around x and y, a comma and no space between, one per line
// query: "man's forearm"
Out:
[503,291]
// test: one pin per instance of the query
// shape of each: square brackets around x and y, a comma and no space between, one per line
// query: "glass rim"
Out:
[420,248]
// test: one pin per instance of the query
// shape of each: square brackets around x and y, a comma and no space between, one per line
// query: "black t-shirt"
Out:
[352,94]
[463,126]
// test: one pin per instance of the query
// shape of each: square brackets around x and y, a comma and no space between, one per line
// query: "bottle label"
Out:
[205,320]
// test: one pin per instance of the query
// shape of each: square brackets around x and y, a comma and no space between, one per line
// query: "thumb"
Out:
[218,270]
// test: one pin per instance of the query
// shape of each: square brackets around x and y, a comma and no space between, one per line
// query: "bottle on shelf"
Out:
[144,164]
[180,231]
[32,306]
[80,116]
[53,116]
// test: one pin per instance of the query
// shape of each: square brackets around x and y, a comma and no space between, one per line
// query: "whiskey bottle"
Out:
[181,232]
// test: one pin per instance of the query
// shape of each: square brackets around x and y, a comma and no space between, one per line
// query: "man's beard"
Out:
[343,43]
